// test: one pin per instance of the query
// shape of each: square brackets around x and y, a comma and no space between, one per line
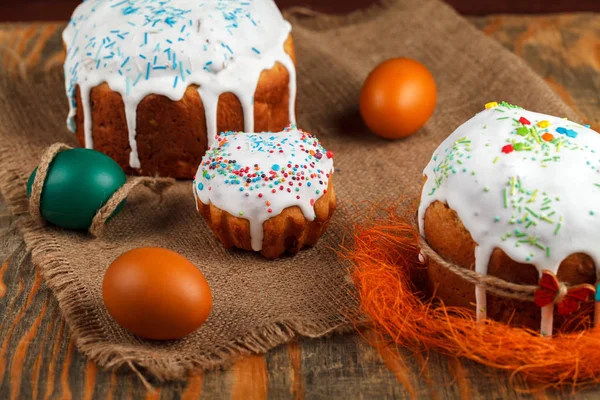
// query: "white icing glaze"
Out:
[537,200]
[257,175]
[142,47]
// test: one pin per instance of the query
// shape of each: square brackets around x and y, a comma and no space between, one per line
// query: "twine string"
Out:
[157,185]
[35,198]
[492,284]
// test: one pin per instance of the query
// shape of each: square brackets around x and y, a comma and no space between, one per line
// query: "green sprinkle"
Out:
[502,118]
[531,212]
[496,160]
[557,228]
[547,251]
[512,184]
[522,131]
[241,213]
[486,189]
[505,199]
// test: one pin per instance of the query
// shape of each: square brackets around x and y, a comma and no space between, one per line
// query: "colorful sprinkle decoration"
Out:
[258,175]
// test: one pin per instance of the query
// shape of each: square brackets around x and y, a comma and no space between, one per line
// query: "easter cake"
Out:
[515,195]
[267,192]
[151,83]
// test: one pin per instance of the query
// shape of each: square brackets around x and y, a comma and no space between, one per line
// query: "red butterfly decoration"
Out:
[550,288]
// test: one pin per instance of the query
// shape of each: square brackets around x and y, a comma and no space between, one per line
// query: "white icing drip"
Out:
[539,203]
[87,116]
[482,257]
[547,320]
[302,184]
[142,47]
[131,117]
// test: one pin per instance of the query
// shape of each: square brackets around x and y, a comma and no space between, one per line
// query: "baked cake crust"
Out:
[447,235]
[172,135]
[287,232]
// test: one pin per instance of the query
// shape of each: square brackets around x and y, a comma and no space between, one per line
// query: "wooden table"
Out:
[38,359]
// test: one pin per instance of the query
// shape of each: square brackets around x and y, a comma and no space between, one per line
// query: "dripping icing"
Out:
[524,182]
[142,47]
[257,176]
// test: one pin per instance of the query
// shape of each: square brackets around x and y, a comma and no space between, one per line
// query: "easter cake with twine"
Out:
[509,216]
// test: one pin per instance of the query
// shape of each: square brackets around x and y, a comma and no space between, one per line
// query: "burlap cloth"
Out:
[260,304]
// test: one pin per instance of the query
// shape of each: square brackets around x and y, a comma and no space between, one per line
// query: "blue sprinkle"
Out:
[241,189]
[148,71]
[118,4]
[200,186]
[571,133]
[137,79]
[255,50]
[587,126]
[561,130]
[175,83]
[275,167]
[142,56]
[125,62]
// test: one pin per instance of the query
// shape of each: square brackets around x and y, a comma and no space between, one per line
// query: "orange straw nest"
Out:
[385,255]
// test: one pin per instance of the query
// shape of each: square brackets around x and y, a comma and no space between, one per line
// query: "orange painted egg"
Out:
[156,293]
[397,98]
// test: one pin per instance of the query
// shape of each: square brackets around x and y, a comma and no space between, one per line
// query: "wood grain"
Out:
[39,360]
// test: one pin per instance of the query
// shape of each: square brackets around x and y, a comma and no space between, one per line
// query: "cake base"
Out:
[287,232]
[447,235]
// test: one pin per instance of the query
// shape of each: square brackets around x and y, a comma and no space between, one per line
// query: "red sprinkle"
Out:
[270,210]
[260,195]
[312,202]
[329,154]
[273,191]
[524,121]
[508,149]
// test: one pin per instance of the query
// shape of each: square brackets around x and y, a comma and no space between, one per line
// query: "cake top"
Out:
[524,182]
[257,175]
[161,46]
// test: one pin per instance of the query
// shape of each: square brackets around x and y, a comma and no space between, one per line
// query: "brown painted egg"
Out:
[156,293]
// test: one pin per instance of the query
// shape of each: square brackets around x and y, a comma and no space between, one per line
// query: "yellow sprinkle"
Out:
[543,124]
[491,104]
[533,196]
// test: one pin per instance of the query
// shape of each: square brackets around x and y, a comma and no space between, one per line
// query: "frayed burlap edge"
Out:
[57,273]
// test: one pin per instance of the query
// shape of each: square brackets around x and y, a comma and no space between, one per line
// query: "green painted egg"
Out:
[79,182]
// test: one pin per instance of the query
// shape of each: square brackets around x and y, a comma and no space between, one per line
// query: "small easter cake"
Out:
[267,192]
[151,82]
[515,194]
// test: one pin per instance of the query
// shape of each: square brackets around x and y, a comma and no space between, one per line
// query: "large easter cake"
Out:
[514,194]
[152,82]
